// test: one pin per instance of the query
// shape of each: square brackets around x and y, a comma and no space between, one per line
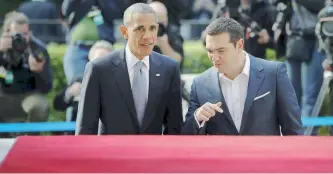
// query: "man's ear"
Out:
[240,44]
[123,31]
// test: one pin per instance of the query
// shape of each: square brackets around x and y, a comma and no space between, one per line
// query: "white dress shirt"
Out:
[131,60]
[235,92]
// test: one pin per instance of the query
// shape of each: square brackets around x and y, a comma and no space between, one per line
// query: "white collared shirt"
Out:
[235,92]
[131,60]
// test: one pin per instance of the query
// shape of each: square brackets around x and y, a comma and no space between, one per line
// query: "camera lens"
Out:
[161,30]
[327,28]
[19,42]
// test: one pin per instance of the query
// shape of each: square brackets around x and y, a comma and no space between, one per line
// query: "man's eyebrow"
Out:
[153,26]
[221,48]
[218,49]
[139,27]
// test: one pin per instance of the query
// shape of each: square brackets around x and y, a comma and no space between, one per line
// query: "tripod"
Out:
[325,88]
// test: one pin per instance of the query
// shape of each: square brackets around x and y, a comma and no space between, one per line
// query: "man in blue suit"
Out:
[132,90]
[241,94]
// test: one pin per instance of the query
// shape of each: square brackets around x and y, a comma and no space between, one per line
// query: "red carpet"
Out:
[170,154]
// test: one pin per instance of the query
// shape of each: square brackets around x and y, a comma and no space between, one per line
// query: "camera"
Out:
[252,27]
[324,32]
[17,57]
[161,30]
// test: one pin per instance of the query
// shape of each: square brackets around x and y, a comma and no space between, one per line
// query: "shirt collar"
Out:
[246,69]
[131,59]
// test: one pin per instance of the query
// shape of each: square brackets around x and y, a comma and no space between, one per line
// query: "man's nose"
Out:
[148,34]
[215,56]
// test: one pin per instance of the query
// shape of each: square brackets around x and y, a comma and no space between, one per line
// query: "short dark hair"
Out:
[228,25]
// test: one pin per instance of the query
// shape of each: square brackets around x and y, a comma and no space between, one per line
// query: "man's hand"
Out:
[263,37]
[34,65]
[5,42]
[207,111]
[326,66]
[75,89]
[162,40]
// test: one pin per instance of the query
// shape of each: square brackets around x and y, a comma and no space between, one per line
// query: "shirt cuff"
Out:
[67,97]
[195,117]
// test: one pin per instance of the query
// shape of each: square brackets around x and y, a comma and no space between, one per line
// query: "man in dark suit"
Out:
[132,90]
[241,94]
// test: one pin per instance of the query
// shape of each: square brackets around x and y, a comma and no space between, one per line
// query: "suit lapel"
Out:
[214,87]
[155,81]
[255,81]
[123,81]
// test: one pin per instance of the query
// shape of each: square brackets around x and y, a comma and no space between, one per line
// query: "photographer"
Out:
[263,14]
[25,73]
[302,57]
[169,41]
[71,94]
[324,33]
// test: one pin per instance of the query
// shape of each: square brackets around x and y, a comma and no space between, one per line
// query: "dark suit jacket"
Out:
[106,94]
[271,103]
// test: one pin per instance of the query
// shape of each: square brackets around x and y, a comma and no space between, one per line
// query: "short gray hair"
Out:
[15,17]
[228,25]
[137,8]
[101,44]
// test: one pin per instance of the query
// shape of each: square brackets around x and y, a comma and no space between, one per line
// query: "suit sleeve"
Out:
[44,79]
[288,110]
[59,102]
[190,126]
[89,104]
[174,118]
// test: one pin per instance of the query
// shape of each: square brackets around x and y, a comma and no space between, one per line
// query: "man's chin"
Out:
[147,51]
[218,69]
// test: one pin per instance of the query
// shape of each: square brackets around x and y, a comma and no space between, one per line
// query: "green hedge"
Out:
[196,61]
[59,81]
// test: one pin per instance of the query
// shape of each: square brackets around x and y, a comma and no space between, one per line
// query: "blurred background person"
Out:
[89,21]
[260,37]
[26,76]
[302,56]
[70,96]
[43,11]
[324,33]
[169,42]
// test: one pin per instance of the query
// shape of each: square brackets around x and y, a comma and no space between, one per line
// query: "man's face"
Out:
[223,54]
[161,12]
[142,34]
[20,28]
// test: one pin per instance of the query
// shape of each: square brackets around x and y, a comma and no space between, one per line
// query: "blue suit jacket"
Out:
[275,105]
[106,95]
